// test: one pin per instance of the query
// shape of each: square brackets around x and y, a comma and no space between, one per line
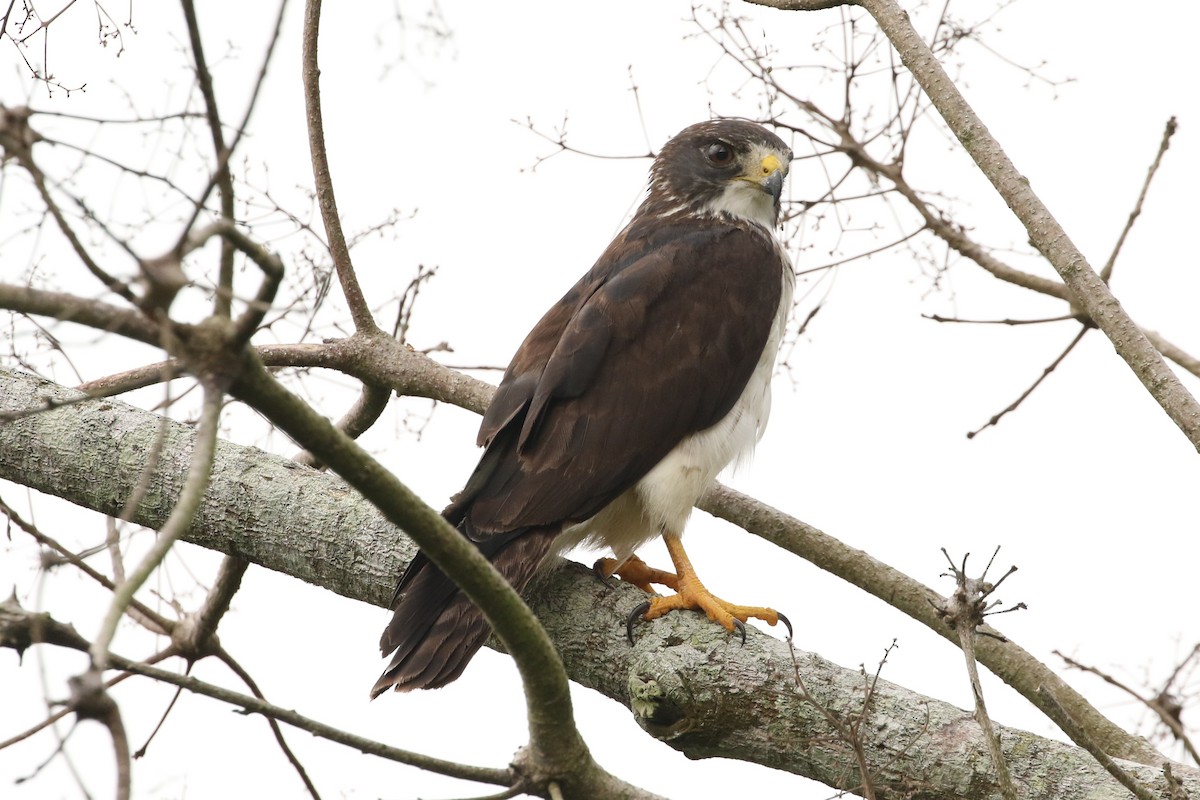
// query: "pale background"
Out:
[1089,487]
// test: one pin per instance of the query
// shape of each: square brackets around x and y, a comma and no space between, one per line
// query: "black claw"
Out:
[741,628]
[787,622]
[599,573]
[641,609]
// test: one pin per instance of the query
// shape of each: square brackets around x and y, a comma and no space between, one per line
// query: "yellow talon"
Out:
[639,573]
[690,593]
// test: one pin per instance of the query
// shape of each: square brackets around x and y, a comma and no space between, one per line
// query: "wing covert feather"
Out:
[655,343]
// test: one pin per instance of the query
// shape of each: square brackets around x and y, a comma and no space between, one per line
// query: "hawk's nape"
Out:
[627,398]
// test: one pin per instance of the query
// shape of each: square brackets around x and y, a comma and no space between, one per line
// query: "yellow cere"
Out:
[770,164]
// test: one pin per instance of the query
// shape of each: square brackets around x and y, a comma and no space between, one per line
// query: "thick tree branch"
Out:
[66,307]
[189,499]
[556,751]
[675,679]
[1008,661]
[380,358]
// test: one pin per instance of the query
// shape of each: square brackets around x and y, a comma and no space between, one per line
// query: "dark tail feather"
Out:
[436,630]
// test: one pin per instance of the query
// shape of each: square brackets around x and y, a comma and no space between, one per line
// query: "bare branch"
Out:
[221,175]
[1087,289]
[360,311]
[240,671]
[262,257]
[556,750]
[371,402]
[1168,132]
[179,521]
[16,140]
[156,621]
[1155,704]
[1184,359]
[1004,658]
[1006,321]
[803,5]
[965,611]
[90,700]
[192,638]
[341,545]
[1056,712]
[17,624]
[73,308]
[1015,404]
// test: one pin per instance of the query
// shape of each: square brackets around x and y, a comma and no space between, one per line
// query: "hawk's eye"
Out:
[719,154]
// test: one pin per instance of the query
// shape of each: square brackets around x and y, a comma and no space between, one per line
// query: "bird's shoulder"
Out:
[697,276]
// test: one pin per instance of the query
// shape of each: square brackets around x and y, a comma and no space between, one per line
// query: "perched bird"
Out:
[649,377]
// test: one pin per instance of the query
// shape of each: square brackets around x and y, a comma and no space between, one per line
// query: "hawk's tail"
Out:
[436,629]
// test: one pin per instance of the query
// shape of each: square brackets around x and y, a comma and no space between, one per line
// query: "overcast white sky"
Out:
[1089,487]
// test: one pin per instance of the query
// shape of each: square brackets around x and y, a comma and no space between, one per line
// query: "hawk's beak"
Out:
[771,177]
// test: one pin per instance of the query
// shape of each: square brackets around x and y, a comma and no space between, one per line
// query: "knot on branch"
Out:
[163,278]
[89,698]
[192,640]
[531,775]
[16,136]
[527,772]
[967,607]
[16,627]
[211,351]
[656,711]
[20,628]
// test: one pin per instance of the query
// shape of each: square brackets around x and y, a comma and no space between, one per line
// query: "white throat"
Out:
[747,201]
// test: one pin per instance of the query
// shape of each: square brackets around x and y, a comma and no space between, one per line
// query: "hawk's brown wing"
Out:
[655,343]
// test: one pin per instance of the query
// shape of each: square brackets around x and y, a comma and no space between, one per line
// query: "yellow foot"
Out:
[718,610]
[634,570]
[692,594]
[729,615]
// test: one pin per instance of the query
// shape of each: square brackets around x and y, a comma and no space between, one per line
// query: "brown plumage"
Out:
[652,370]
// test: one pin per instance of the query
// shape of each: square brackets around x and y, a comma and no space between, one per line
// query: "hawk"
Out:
[648,378]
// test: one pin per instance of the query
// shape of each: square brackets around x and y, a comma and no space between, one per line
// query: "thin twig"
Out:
[1015,404]
[272,723]
[56,633]
[16,140]
[289,717]
[1168,132]
[266,260]
[1087,289]
[360,311]
[223,178]
[1005,321]
[1163,715]
[156,622]
[221,175]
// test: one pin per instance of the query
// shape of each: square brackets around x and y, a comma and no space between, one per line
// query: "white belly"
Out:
[663,499]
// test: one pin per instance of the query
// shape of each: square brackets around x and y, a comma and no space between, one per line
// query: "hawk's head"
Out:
[725,166]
